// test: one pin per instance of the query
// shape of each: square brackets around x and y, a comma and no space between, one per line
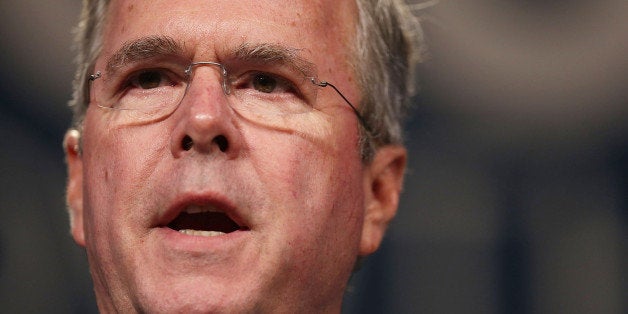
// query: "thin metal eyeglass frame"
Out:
[227,91]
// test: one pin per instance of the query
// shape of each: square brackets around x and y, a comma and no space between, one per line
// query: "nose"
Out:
[205,123]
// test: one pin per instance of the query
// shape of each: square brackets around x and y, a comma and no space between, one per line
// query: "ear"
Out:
[74,193]
[383,181]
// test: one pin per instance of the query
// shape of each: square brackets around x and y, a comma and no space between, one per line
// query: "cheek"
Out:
[119,163]
[303,158]
[312,175]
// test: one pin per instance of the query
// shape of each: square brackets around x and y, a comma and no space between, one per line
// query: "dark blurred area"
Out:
[516,199]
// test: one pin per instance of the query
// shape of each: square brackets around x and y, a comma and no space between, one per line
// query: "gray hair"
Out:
[388,45]
[88,43]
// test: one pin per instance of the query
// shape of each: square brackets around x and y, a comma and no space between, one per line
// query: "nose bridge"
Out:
[202,92]
[221,70]
[205,122]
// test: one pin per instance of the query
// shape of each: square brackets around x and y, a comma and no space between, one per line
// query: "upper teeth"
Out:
[195,209]
[202,233]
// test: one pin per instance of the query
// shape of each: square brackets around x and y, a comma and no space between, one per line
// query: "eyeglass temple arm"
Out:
[357,113]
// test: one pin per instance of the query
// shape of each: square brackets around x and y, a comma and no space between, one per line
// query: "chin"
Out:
[190,298]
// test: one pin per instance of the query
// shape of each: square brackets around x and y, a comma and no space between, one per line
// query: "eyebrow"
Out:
[264,53]
[274,53]
[141,49]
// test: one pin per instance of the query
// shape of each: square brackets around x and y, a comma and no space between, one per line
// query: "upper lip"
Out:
[216,202]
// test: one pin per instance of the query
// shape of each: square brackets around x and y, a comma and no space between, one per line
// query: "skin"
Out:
[310,204]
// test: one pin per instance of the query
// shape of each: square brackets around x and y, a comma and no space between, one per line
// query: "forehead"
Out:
[315,28]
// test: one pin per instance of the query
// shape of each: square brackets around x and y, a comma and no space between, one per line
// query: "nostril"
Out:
[187,143]
[222,143]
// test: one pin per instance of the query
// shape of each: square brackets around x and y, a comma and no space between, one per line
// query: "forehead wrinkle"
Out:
[266,53]
[143,48]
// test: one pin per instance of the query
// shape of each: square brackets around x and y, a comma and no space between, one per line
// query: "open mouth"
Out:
[204,221]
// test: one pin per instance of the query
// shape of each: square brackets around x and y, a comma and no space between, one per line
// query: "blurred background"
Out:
[516,200]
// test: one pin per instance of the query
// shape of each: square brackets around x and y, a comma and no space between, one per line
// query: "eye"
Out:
[264,83]
[149,79]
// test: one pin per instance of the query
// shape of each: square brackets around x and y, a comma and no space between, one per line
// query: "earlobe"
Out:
[74,192]
[383,182]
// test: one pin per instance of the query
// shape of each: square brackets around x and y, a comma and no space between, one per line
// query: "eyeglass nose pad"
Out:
[223,72]
[225,86]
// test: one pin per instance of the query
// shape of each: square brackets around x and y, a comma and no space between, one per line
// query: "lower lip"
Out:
[177,241]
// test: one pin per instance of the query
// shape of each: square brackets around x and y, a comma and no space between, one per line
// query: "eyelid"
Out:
[248,76]
[237,66]
[128,68]
[123,77]
[169,75]
[291,75]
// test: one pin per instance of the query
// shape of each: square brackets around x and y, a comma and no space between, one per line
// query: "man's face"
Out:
[288,195]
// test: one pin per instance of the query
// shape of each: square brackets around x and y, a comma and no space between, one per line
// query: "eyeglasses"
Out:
[152,91]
